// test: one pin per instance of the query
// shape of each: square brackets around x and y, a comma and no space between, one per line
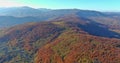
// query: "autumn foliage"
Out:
[69,39]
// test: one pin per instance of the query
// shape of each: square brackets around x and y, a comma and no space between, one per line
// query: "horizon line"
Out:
[61,8]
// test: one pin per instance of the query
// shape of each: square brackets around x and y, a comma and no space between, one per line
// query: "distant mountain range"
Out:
[59,36]
[19,15]
[27,11]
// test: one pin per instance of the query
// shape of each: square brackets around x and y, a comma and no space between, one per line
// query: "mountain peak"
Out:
[26,7]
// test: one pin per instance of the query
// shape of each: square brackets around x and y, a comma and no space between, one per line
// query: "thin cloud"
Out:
[9,3]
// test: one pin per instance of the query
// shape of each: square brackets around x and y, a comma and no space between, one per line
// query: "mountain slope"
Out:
[89,26]
[8,21]
[76,47]
[68,38]
[21,42]
[19,11]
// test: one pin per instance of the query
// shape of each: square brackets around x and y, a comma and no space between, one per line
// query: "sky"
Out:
[101,5]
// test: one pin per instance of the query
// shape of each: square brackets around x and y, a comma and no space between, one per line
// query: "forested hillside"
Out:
[67,39]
